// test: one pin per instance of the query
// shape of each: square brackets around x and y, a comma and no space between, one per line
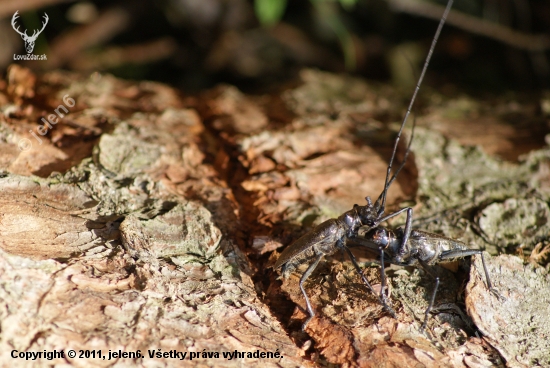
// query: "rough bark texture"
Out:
[132,249]
[144,220]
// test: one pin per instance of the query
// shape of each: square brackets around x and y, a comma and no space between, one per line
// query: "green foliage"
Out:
[333,19]
[269,12]
[347,4]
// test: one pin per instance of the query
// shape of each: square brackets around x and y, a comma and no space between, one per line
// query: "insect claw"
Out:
[497,294]
[306,323]
[390,311]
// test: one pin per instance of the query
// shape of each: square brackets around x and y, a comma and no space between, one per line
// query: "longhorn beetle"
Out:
[422,248]
[332,235]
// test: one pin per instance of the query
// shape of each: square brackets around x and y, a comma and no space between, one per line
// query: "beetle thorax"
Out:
[400,252]
[351,221]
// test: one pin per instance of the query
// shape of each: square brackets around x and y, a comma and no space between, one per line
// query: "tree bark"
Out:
[142,221]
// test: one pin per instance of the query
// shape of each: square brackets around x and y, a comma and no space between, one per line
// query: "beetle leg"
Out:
[304,277]
[461,253]
[426,268]
[382,275]
[406,232]
[430,306]
[360,272]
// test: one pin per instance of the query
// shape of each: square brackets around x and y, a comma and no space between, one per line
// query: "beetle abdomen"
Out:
[321,240]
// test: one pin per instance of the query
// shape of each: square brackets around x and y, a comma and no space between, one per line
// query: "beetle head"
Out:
[367,214]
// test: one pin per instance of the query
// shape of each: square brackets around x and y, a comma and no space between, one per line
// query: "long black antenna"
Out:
[381,201]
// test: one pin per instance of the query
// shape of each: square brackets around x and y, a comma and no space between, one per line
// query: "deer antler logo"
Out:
[29,40]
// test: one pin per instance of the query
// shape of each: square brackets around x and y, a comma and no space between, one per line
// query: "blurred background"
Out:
[488,46]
